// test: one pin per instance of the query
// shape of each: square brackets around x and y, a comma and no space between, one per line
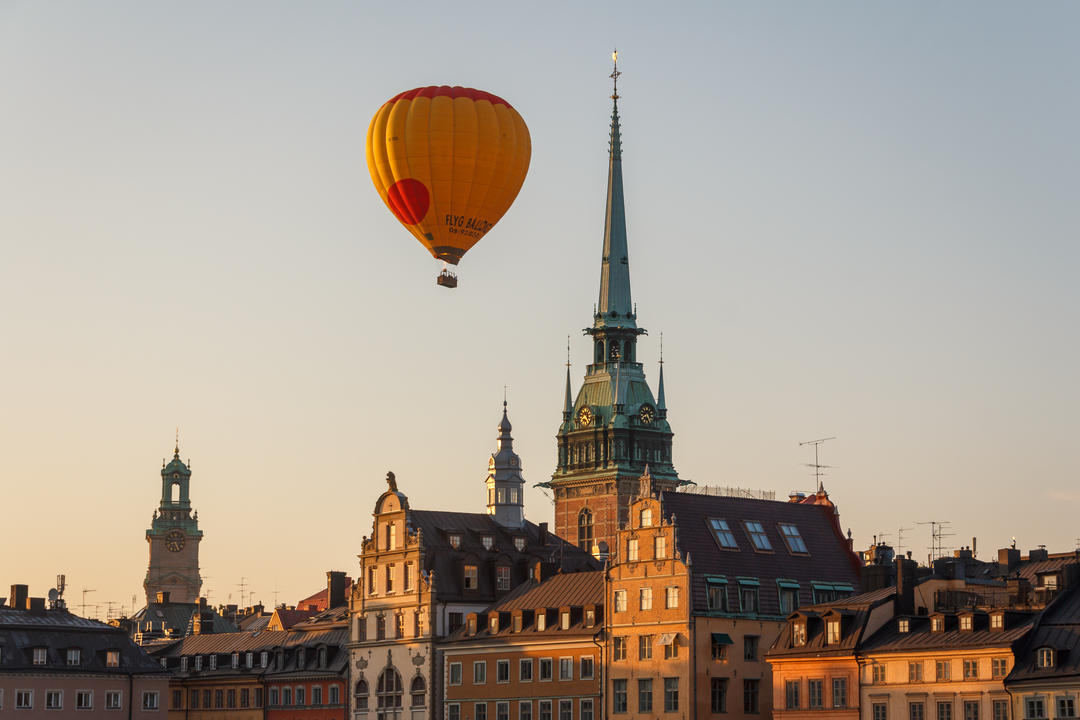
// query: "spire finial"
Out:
[661,348]
[176,448]
[568,352]
[615,75]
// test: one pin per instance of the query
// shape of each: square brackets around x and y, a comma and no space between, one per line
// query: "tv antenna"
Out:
[900,540]
[939,530]
[84,591]
[818,467]
[242,584]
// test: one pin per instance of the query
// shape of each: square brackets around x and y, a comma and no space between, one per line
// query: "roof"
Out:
[285,618]
[281,646]
[59,630]
[829,558]
[320,600]
[1058,627]
[920,637]
[179,617]
[855,612]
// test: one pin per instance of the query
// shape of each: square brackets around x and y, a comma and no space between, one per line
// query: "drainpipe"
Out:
[859,660]
[600,647]
[131,694]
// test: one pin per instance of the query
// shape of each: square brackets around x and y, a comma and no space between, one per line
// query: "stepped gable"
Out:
[828,559]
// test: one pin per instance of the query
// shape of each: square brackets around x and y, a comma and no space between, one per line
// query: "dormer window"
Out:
[249,660]
[937,624]
[236,659]
[183,663]
[519,543]
[1044,657]
[41,655]
[646,517]
[997,621]
[965,623]
[757,535]
[903,625]
[564,620]
[264,659]
[590,617]
[472,624]
[471,577]
[541,620]
[832,627]
[798,633]
[493,623]
[455,541]
[213,662]
[74,656]
[198,663]
[1049,582]
[517,623]
[488,542]
[300,658]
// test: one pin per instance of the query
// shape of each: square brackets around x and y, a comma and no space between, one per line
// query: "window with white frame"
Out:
[453,711]
[646,517]
[519,543]
[660,547]
[84,700]
[632,550]
[502,578]
[564,620]
[150,700]
[525,670]
[41,655]
[566,668]
[502,671]
[502,711]
[645,598]
[479,672]
[114,700]
[832,631]
[213,662]
[54,699]
[586,709]
[74,656]
[546,669]
[586,672]
[672,597]
[1066,707]
[24,699]
[965,623]
[524,710]
[1044,657]
[971,669]
[1034,708]
[455,673]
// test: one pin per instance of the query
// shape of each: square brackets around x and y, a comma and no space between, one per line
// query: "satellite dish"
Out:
[53,594]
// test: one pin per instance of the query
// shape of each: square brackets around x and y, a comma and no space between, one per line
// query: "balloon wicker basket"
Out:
[447,279]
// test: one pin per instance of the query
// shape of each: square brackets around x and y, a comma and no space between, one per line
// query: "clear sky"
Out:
[848,219]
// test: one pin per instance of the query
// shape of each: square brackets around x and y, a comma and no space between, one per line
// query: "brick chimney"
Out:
[542,535]
[335,588]
[162,597]
[905,586]
[1009,557]
[19,594]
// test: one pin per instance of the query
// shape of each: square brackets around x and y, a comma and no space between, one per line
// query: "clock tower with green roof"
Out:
[615,430]
[174,538]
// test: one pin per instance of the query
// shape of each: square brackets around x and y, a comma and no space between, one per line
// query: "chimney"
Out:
[202,603]
[18,596]
[905,586]
[1038,555]
[36,605]
[542,534]
[335,588]
[1009,557]
[600,550]
[162,597]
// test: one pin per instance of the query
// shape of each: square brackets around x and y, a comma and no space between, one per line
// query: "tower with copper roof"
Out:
[505,485]
[174,538]
[614,427]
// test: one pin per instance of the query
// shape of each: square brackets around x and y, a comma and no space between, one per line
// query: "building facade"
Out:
[174,538]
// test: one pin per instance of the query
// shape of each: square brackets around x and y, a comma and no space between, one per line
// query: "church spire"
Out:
[661,401]
[615,307]
[568,401]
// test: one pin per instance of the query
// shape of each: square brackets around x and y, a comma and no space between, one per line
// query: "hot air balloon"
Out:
[448,162]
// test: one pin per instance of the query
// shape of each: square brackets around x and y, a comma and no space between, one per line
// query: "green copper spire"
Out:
[615,308]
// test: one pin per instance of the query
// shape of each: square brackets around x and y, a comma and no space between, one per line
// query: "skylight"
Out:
[757,535]
[723,533]
[791,536]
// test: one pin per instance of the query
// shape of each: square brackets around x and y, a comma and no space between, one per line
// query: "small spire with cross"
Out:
[615,75]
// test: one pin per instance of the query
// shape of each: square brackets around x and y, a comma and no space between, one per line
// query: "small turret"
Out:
[505,485]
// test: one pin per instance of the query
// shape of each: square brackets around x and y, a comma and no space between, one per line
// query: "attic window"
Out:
[798,633]
[1049,582]
[470,577]
[794,540]
[997,621]
[541,620]
[488,542]
[757,535]
[455,541]
[833,631]
[903,625]
[519,543]
[965,623]
[517,623]
[646,517]
[40,655]
[722,533]
[937,624]
[564,621]
[1044,657]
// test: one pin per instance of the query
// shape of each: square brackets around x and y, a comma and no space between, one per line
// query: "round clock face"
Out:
[174,541]
[647,414]
[614,353]
[585,417]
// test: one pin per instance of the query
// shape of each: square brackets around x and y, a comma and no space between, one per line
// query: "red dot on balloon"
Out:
[409,199]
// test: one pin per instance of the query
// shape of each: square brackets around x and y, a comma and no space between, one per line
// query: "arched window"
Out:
[585,530]
[628,352]
[174,492]
[419,687]
[599,351]
[388,693]
[361,694]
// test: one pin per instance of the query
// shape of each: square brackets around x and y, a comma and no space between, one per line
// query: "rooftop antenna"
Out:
[938,532]
[900,540]
[84,591]
[242,584]
[818,467]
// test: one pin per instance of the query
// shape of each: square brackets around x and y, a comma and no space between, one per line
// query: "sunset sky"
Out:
[850,219]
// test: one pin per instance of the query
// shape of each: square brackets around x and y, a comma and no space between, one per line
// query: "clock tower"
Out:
[614,431]
[174,538]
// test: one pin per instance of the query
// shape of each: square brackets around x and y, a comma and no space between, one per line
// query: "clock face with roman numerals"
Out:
[647,413]
[174,541]
[585,417]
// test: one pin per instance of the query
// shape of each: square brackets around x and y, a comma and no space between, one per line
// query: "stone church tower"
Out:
[614,430]
[174,538]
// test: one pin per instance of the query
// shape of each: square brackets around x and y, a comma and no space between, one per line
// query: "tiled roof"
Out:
[919,636]
[285,618]
[1059,628]
[179,617]
[829,559]
[855,611]
[319,600]
[228,643]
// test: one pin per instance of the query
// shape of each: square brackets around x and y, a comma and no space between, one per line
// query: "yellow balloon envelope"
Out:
[448,162]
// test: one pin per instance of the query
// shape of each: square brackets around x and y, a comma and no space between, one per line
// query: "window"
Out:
[717,596]
[236,660]
[488,542]
[971,710]
[360,701]
[480,711]
[722,533]
[455,541]
[566,668]
[149,701]
[1001,710]
[564,620]
[903,625]
[335,695]
[832,627]
[245,697]
[479,672]
[997,621]
[502,671]
[877,673]
[880,711]
[839,693]
[112,658]
[24,699]
[206,700]
[620,600]
[632,550]
[757,535]
[659,547]
[361,693]
[455,673]
[183,663]
[74,656]
[971,669]
[646,517]
[371,581]
[937,624]
[618,648]
[585,530]
[718,691]
[517,622]
[41,655]
[789,600]
[545,669]
[645,598]
[792,538]
[965,623]
[671,600]
[230,697]
[644,695]
[999,667]
[249,660]
[54,700]
[219,697]
[453,711]
[914,672]
[524,710]
[112,700]
[618,699]
[590,617]
[264,659]
[751,696]
[942,671]
[502,578]
[748,598]
[645,647]
[84,699]
[399,626]
[791,695]
[586,671]
[671,648]
[814,694]
[671,694]
[1066,707]
[1044,657]
[798,633]
[750,647]
[916,711]
[213,662]
[502,711]
[380,627]
[1035,708]
[388,690]
[406,579]
[545,710]
[389,578]
[720,642]
[944,711]
[566,710]
[470,577]
[519,543]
